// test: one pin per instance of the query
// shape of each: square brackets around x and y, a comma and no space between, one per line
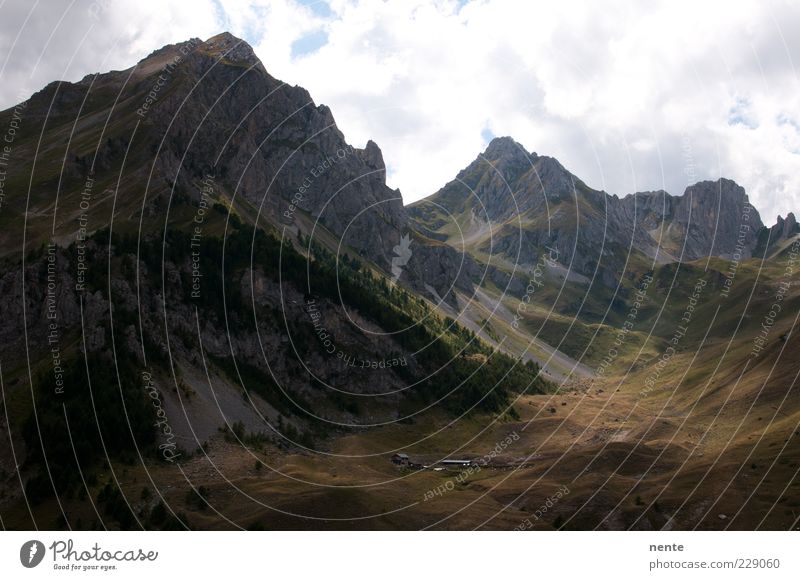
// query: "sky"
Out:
[628,95]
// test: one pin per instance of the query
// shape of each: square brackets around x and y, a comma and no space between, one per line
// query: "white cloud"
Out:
[42,42]
[628,95]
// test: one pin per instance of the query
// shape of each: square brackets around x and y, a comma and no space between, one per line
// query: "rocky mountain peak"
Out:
[783,228]
[505,148]
[513,161]
[720,201]
[790,222]
[232,48]
[727,188]
[373,156]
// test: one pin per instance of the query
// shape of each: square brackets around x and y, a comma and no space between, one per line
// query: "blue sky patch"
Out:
[741,114]
[309,43]
[320,7]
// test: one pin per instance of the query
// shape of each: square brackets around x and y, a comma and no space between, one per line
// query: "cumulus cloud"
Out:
[628,95]
[44,41]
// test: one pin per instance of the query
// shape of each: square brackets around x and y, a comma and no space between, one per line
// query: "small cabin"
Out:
[400,459]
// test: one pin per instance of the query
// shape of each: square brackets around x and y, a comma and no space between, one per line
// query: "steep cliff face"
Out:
[781,232]
[711,218]
[272,145]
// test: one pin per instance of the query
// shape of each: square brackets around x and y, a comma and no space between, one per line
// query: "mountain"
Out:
[513,204]
[217,315]
[546,239]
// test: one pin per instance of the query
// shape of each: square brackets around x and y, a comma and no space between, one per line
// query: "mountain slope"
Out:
[195,234]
